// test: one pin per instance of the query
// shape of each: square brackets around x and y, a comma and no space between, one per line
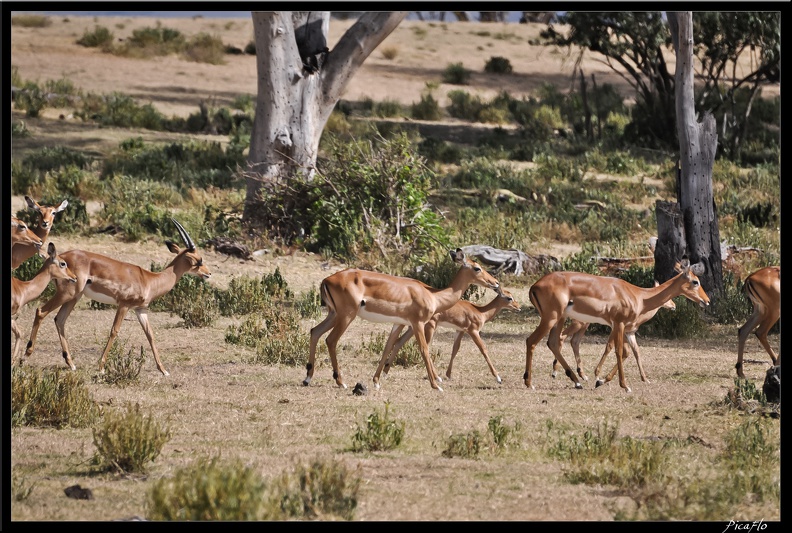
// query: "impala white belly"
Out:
[98,296]
[571,313]
[382,319]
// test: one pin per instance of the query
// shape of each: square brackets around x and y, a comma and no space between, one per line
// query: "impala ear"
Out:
[457,255]
[698,269]
[172,246]
[64,204]
[32,203]
[51,249]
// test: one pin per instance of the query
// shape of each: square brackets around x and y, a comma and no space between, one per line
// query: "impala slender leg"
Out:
[742,336]
[420,336]
[117,321]
[429,332]
[142,316]
[341,325]
[392,347]
[477,339]
[454,350]
[575,344]
[544,327]
[17,335]
[618,333]
[764,329]
[60,325]
[554,343]
[316,333]
[634,348]
[608,348]
[61,296]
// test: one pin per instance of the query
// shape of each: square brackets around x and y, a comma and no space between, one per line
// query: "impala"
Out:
[763,288]
[388,299]
[604,300]
[576,330]
[46,216]
[22,292]
[22,234]
[114,282]
[464,317]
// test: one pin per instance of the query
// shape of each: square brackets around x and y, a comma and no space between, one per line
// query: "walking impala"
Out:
[464,317]
[23,292]
[22,234]
[576,330]
[46,216]
[763,288]
[604,300]
[388,299]
[114,282]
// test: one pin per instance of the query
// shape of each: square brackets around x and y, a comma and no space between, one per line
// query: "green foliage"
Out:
[149,42]
[502,435]
[209,490]
[380,433]
[309,304]
[387,108]
[30,99]
[246,295]
[498,65]
[137,207]
[21,486]
[31,21]
[19,130]
[323,490]
[275,332]
[100,37]
[456,74]
[191,299]
[120,110]
[745,396]
[122,369]
[466,445]
[205,48]
[50,398]
[127,441]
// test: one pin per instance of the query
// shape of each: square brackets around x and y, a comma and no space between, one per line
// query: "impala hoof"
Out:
[578,385]
[165,373]
[553,374]
[598,383]
[306,381]
[627,389]
[498,379]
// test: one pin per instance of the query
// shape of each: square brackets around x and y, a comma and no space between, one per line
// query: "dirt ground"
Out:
[218,403]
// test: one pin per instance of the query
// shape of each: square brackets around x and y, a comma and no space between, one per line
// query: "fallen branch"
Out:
[512,261]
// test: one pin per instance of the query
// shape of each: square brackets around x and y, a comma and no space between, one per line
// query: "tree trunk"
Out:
[671,244]
[697,144]
[299,83]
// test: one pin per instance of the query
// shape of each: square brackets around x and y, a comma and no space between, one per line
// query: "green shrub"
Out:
[137,207]
[456,74]
[148,42]
[380,433]
[205,48]
[390,52]
[498,65]
[31,21]
[122,369]
[309,304]
[21,487]
[19,130]
[434,149]
[126,442]
[323,490]
[502,435]
[210,490]
[387,108]
[250,48]
[464,105]
[275,332]
[191,299]
[100,37]
[466,445]
[47,398]
[120,110]
[30,99]
[246,295]
[427,108]
[50,158]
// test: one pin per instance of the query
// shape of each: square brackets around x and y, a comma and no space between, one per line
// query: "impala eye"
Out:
[477,269]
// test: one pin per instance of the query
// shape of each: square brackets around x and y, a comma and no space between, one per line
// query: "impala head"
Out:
[22,234]
[57,267]
[481,277]
[197,268]
[46,213]
[692,289]
[507,299]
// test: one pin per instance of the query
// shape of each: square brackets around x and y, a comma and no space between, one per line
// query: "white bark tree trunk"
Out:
[697,144]
[299,83]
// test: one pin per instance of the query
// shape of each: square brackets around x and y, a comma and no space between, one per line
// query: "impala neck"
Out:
[39,282]
[450,295]
[655,297]
[491,309]
[170,275]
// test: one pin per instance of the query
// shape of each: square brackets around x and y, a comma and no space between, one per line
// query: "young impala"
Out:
[576,330]
[46,216]
[464,317]
[763,288]
[388,299]
[604,300]
[22,234]
[114,282]
[23,292]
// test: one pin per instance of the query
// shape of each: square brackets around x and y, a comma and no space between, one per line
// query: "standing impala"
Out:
[577,331]
[389,299]
[464,317]
[22,234]
[763,288]
[46,216]
[114,282]
[22,292]
[604,300]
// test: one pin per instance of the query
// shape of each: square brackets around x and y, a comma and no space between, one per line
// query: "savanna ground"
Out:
[217,404]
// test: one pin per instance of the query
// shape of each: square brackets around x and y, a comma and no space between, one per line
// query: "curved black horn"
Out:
[188,242]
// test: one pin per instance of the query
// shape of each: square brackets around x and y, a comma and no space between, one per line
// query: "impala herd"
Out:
[403,302]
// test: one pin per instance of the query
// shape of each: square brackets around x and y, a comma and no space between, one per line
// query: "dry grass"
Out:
[215,402]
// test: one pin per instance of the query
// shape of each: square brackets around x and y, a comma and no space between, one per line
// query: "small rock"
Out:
[78,493]
[359,390]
